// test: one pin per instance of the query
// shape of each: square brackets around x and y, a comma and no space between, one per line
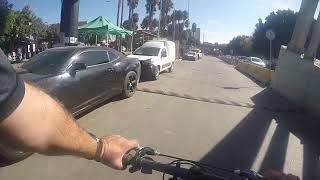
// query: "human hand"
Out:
[114,149]
[274,175]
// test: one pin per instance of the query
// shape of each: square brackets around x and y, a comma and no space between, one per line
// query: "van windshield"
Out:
[147,51]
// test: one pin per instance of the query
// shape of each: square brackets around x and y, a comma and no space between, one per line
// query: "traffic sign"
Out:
[270,34]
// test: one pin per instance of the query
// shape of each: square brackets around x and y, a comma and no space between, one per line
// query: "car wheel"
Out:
[130,84]
[10,156]
[156,73]
[171,68]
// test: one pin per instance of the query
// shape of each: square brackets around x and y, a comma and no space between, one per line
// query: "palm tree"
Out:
[167,6]
[151,8]
[194,28]
[185,18]
[132,4]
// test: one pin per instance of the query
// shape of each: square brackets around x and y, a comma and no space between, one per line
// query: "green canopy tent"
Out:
[100,25]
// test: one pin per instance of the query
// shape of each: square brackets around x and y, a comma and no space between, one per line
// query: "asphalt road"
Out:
[204,110]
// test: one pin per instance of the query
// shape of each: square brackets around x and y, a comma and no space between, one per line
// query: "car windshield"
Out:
[147,51]
[256,59]
[48,62]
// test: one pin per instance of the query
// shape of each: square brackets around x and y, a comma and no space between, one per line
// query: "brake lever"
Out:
[129,157]
[250,175]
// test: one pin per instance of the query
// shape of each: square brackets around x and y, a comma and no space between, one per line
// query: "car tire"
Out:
[156,73]
[130,84]
[170,70]
[10,156]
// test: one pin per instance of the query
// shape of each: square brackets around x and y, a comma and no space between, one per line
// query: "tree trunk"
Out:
[129,18]
[121,21]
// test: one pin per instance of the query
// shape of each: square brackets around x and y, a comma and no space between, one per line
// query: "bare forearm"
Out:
[40,124]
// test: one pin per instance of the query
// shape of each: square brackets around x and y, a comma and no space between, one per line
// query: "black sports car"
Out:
[81,77]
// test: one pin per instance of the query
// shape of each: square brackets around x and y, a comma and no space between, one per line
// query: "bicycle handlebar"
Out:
[141,160]
[177,171]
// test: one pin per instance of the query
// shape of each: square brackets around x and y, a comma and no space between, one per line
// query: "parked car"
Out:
[191,56]
[199,53]
[80,78]
[257,61]
[155,57]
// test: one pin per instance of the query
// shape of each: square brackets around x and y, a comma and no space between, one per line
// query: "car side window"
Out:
[91,58]
[164,53]
[112,56]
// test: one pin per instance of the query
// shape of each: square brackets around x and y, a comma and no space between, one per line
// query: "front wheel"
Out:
[171,68]
[130,84]
[156,73]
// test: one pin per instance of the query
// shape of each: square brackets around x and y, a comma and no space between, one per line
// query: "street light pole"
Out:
[118,22]
[204,31]
[174,24]
[188,10]
[188,19]
[159,27]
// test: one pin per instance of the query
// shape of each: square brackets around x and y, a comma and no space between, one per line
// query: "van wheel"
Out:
[156,73]
[171,68]
[130,85]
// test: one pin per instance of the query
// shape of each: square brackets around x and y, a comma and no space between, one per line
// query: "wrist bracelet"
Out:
[98,154]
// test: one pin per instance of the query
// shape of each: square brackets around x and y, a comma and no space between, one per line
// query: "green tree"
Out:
[52,35]
[132,4]
[145,24]
[185,18]
[167,6]
[149,22]
[6,21]
[241,46]
[282,23]
[179,18]
[135,19]
[194,28]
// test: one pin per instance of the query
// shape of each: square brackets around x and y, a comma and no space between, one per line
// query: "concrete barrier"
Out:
[258,73]
[298,80]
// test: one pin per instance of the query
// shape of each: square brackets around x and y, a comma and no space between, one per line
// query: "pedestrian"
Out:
[19,54]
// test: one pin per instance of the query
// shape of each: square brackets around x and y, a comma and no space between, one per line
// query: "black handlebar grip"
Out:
[127,160]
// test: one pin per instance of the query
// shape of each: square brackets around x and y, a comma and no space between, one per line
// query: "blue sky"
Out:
[219,20]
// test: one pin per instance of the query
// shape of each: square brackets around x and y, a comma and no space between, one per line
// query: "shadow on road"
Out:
[240,147]
[89,110]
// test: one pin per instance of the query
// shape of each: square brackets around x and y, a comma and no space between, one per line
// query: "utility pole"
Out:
[174,24]
[69,22]
[159,27]
[204,31]
[118,23]
[118,12]
[189,10]
[188,19]
[121,21]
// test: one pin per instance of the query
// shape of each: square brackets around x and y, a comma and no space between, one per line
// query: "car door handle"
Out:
[109,70]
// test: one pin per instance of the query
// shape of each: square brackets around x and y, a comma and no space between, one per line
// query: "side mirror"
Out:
[77,67]
[163,54]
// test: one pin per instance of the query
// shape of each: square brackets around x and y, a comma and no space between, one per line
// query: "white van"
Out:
[156,57]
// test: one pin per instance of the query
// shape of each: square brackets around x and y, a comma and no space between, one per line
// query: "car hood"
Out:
[142,58]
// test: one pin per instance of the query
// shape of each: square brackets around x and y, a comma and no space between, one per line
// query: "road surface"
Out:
[204,110]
